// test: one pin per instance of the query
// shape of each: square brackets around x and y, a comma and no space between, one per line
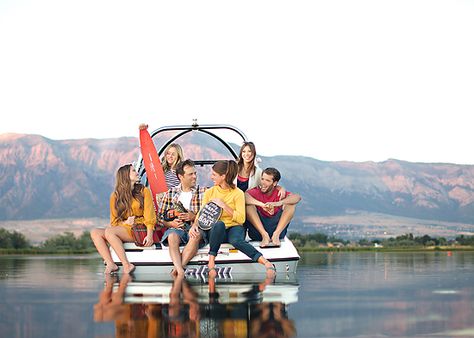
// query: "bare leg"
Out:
[254,218]
[98,237]
[285,219]
[212,284]
[190,250]
[175,306]
[173,243]
[116,236]
[175,291]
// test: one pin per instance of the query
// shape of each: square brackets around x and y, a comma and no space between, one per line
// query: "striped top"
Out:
[171,178]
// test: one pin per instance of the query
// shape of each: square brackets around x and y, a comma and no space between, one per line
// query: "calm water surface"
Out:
[333,295]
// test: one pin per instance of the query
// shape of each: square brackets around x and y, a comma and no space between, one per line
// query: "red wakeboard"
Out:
[153,168]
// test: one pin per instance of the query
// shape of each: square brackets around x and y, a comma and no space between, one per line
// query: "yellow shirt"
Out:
[234,198]
[145,215]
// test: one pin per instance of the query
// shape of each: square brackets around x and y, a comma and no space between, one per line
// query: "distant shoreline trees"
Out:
[406,241]
[66,243]
[13,242]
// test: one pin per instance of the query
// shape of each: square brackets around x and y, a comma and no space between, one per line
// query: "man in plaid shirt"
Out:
[177,210]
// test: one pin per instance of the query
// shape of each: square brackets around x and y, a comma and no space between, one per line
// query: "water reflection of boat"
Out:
[189,308]
[230,261]
[229,290]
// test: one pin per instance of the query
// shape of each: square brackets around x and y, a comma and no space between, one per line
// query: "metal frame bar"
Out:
[185,129]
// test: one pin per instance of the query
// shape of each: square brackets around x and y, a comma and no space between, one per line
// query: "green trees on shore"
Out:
[69,242]
[314,239]
[15,242]
[404,241]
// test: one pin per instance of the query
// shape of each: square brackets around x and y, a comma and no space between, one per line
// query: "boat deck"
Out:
[228,261]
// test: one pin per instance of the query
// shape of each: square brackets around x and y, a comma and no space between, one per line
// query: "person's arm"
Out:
[194,231]
[288,200]
[165,205]
[281,191]
[225,208]
[237,211]
[238,214]
[149,216]
[250,200]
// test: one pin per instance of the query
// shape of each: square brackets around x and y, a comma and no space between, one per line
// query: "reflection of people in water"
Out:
[131,320]
[232,320]
[185,317]
[270,320]
[181,315]
[110,305]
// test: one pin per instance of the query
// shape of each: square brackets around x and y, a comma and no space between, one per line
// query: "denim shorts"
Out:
[183,236]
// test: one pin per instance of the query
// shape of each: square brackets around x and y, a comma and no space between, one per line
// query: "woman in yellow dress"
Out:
[130,203]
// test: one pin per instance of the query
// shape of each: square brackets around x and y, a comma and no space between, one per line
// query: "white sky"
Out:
[334,80]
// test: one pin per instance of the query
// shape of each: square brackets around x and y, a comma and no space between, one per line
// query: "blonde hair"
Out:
[179,158]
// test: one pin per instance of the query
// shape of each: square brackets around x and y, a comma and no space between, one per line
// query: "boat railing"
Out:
[180,131]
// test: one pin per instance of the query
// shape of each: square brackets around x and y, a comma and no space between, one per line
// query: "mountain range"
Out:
[42,178]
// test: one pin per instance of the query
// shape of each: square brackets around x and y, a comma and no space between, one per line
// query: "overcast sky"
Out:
[334,80]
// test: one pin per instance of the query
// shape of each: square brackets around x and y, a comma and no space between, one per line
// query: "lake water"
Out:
[333,295]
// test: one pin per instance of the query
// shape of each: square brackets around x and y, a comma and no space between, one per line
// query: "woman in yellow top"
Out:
[229,228]
[130,203]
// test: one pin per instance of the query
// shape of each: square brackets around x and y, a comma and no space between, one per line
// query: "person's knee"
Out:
[97,233]
[195,239]
[173,237]
[237,239]
[219,227]
[109,232]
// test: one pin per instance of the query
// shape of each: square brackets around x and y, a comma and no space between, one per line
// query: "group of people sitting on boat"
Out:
[250,198]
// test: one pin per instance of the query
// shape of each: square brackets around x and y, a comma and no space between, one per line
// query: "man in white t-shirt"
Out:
[177,210]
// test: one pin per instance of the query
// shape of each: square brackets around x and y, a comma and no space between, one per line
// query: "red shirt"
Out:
[271,197]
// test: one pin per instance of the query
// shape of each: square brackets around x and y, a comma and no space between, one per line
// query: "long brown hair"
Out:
[227,168]
[241,164]
[124,195]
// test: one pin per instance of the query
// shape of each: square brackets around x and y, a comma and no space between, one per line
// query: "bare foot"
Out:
[111,268]
[177,272]
[129,269]
[275,240]
[265,241]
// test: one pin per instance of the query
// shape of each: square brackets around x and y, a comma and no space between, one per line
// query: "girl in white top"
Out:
[249,173]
